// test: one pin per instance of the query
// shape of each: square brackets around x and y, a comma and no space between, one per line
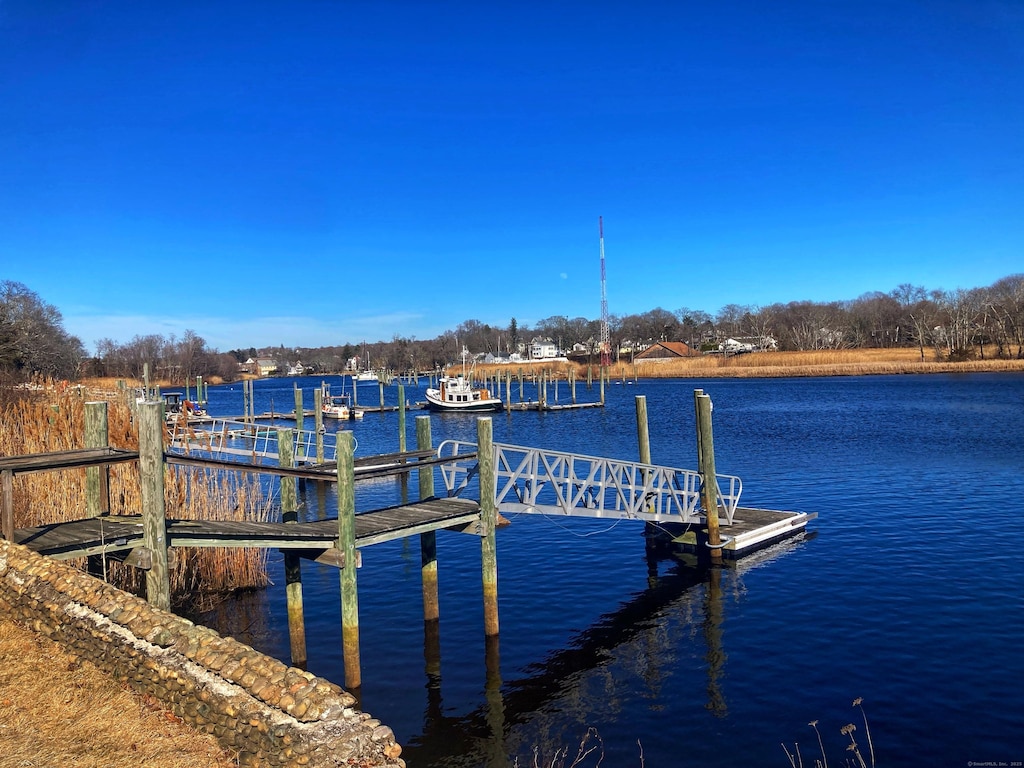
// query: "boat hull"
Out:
[435,403]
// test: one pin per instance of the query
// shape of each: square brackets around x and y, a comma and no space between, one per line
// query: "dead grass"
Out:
[58,711]
[52,419]
[838,362]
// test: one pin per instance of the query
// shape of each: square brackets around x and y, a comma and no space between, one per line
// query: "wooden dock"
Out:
[315,540]
[534,405]
[752,529]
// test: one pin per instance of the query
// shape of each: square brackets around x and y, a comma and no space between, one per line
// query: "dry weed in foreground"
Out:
[58,711]
[796,760]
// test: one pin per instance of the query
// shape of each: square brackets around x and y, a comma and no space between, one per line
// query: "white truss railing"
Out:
[533,480]
[257,442]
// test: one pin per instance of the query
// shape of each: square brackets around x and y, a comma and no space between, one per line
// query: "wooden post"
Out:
[97,479]
[145,379]
[318,422]
[300,416]
[292,566]
[404,477]
[601,375]
[380,387]
[428,540]
[154,522]
[7,481]
[706,459]
[347,546]
[488,522]
[642,435]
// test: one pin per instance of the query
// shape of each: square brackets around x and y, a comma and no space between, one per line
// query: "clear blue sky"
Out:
[311,173]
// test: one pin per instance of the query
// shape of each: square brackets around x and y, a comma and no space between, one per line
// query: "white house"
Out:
[541,349]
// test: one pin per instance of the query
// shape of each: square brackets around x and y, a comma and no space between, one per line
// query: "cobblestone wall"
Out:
[274,715]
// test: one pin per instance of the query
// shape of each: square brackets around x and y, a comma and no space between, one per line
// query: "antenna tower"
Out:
[606,344]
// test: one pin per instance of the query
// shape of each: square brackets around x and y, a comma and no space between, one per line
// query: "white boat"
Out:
[337,406]
[365,376]
[456,393]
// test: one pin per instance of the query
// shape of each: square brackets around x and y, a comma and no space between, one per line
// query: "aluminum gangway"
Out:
[534,480]
[257,443]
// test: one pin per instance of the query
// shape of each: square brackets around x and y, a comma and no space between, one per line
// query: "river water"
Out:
[907,591]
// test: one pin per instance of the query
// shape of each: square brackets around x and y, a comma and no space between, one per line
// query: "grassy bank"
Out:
[57,710]
[839,362]
[51,418]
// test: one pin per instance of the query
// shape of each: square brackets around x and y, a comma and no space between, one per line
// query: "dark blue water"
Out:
[908,591]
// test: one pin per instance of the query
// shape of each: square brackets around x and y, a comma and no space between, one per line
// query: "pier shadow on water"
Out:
[526,717]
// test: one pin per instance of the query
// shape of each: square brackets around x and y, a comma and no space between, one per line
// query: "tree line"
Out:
[951,325]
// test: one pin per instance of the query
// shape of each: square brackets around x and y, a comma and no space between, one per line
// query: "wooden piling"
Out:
[154,522]
[292,562]
[318,422]
[347,546]
[300,416]
[7,483]
[97,479]
[642,434]
[488,522]
[706,467]
[428,540]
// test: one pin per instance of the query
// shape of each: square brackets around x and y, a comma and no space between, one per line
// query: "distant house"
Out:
[265,366]
[735,346]
[665,350]
[541,349]
[296,370]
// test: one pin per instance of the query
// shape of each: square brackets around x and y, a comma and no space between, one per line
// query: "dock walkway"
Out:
[316,540]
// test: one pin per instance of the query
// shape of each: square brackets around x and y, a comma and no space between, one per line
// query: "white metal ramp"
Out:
[221,438]
[533,480]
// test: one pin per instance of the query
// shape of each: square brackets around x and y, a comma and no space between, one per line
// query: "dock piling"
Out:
[706,467]
[488,522]
[347,545]
[154,522]
[292,564]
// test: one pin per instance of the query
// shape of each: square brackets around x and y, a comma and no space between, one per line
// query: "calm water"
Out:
[908,591]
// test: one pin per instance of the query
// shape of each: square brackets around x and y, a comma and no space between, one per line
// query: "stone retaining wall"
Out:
[272,714]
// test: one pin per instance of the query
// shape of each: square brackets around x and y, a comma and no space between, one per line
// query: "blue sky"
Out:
[313,173]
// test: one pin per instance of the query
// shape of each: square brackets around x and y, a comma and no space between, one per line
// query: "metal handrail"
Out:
[257,442]
[534,480]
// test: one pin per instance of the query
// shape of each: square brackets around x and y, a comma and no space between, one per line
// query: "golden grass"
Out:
[52,419]
[58,711]
[838,362]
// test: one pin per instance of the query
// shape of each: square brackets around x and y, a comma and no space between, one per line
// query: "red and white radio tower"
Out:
[606,343]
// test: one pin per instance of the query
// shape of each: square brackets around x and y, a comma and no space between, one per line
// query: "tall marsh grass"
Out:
[828,362]
[51,418]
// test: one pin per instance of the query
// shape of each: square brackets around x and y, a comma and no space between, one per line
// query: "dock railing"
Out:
[533,480]
[220,438]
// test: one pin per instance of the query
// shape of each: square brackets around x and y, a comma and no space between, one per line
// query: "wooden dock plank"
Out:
[110,534]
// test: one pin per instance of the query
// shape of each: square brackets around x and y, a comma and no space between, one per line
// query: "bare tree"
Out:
[32,336]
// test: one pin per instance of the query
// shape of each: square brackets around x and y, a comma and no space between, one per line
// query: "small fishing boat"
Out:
[456,393]
[337,406]
[364,377]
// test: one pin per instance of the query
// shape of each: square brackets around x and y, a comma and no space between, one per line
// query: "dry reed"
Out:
[52,419]
[56,710]
[831,362]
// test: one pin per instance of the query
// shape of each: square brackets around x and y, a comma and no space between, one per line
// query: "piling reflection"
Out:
[642,635]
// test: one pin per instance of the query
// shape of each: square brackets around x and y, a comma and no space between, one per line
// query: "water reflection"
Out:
[683,597]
